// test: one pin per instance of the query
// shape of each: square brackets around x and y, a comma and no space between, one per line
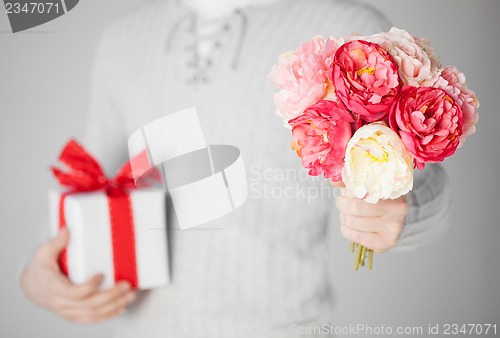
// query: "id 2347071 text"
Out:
[32,7]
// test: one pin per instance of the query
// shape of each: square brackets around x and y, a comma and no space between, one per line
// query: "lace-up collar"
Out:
[206,45]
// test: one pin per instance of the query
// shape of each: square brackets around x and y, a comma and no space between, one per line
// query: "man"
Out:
[268,268]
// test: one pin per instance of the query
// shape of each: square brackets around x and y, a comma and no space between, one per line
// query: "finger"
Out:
[381,225]
[103,298]
[78,316]
[369,240]
[86,289]
[92,304]
[114,308]
[372,241]
[101,311]
[356,207]
[66,293]
[363,224]
[53,247]
[59,285]
[112,314]
[383,208]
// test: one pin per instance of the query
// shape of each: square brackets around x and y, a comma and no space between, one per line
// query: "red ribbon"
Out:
[85,175]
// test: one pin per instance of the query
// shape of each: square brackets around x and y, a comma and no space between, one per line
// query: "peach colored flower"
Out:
[302,76]
[320,136]
[429,122]
[366,79]
[453,82]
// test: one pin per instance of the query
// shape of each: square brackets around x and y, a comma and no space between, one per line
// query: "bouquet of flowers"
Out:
[367,110]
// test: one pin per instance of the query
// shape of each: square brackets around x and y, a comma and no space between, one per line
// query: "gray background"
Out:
[44,75]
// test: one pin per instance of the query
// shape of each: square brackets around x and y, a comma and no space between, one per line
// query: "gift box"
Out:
[115,229]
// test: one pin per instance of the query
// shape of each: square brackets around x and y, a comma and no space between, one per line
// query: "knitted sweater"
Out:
[268,267]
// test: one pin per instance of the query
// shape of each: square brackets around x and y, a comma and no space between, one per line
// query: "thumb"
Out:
[57,244]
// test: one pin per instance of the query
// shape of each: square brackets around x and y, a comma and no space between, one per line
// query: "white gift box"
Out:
[90,249]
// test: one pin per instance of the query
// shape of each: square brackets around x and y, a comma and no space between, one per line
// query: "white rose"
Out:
[377,164]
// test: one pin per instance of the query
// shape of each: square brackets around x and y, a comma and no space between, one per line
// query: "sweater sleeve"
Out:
[105,132]
[429,208]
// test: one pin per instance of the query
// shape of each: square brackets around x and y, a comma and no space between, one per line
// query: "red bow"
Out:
[85,174]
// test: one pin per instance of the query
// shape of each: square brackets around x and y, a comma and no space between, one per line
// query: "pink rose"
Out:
[366,79]
[429,123]
[320,137]
[302,76]
[417,62]
[453,82]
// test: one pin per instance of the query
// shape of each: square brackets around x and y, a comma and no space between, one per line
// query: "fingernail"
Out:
[125,286]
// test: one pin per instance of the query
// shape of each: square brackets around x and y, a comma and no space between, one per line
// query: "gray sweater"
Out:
[269,267]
